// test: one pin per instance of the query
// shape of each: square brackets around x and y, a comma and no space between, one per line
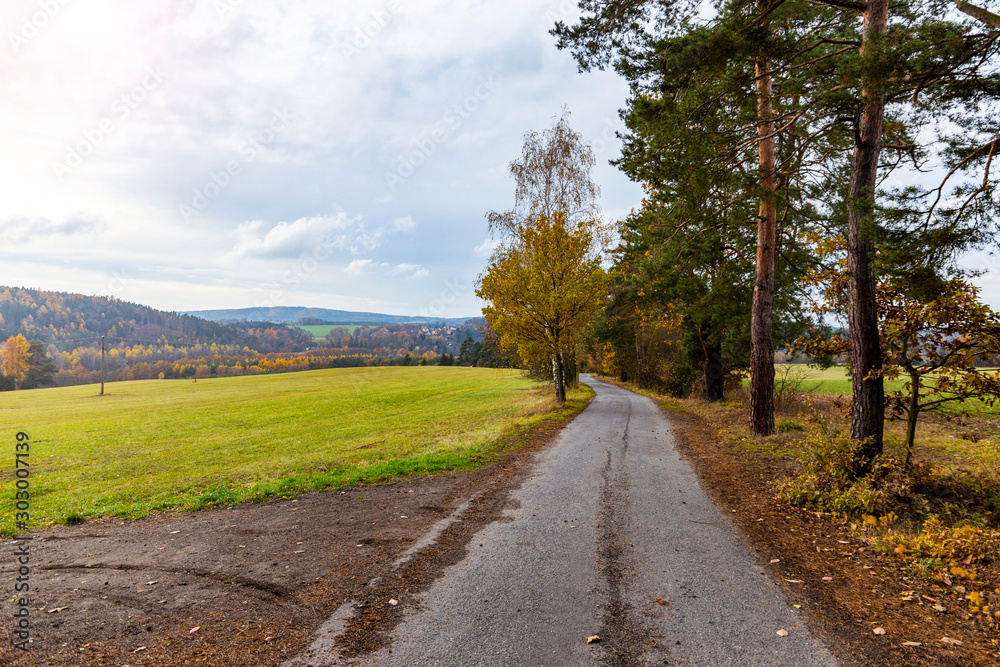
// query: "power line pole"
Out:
[102,365]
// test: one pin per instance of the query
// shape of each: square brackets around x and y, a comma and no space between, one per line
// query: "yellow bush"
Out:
[954,546]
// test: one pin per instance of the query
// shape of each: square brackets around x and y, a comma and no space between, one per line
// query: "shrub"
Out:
[952,545]
[788,425]
[678,377]
[826,482]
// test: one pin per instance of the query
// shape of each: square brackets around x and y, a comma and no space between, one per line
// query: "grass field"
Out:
[157,444]
[319,331]
[837,381]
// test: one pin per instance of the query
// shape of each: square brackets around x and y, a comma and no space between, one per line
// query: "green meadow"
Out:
[319,331]
[151,445]
[836,380]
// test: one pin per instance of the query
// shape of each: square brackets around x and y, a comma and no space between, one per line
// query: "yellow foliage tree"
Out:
[543,289]
[16,359]
[544,282]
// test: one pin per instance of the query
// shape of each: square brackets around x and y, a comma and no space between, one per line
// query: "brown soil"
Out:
[867,588]
[249,585]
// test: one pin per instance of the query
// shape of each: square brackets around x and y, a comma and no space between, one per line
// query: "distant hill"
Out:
[296,314]
[70,321]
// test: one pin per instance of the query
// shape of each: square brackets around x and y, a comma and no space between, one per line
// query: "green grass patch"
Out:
[152,445]
[319,331]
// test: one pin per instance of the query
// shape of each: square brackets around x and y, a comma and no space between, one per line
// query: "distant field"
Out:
[157,444]
[319,331]
[833,380]
[836,380]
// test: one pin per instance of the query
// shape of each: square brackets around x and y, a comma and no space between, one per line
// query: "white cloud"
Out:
[358,267]
[410,271]
[17,230]
[486,248]
[405,224]
[303,236]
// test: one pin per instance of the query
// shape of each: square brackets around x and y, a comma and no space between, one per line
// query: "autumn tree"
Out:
[857,88]
[16,359]
[542,289]
[934,345]
[933,332]
[544,282]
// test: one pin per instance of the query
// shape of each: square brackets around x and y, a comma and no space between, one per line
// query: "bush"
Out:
[826,482]
[678,377]
[954,546]
[788,425]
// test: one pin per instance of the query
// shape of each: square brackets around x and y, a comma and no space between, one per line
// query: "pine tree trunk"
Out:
[868,400]
[911,418]
[762,350]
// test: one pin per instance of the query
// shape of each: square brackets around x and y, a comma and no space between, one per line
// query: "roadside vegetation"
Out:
[156,445]
[934,521]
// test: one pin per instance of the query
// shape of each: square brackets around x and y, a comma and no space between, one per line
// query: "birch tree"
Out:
[544,282]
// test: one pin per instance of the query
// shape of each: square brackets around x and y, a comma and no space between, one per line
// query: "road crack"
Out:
[622,634]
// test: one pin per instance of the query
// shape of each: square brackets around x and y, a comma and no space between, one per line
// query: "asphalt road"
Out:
[612,536]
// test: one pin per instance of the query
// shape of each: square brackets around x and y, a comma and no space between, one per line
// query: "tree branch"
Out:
[978,13]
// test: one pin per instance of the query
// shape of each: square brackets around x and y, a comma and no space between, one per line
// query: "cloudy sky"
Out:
[192,154]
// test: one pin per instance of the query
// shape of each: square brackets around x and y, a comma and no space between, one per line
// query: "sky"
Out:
[198,154]
[203,154]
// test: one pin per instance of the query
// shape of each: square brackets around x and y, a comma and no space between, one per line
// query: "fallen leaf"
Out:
[879,631]
[949,640]
[912,644]
[593,638]
[52,611]
[194,629]
[938,607]
[661,601]
[782,632]
[393,602]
